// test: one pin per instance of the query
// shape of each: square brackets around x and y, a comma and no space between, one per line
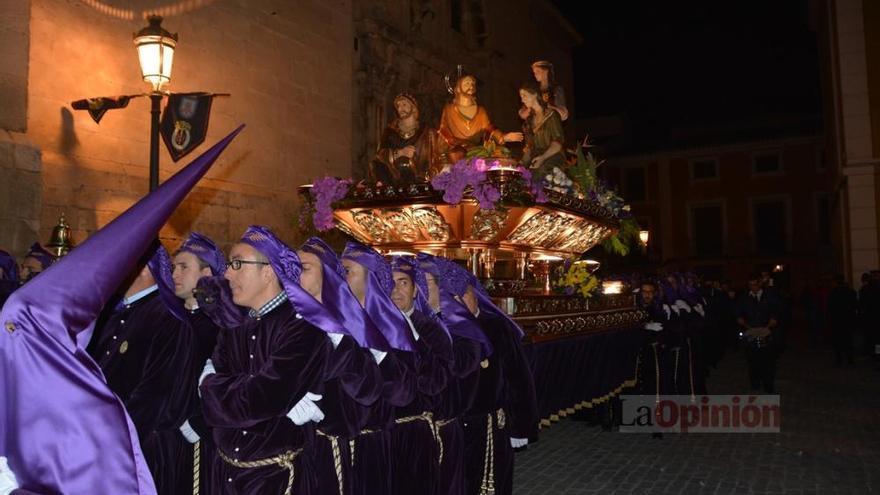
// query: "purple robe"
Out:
[455,400]
[352,384]
[371,458]
[505,384]
[204,339]
[414,448]
[264,368]
[145,354]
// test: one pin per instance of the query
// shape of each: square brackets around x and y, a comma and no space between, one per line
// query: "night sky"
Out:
[688,64]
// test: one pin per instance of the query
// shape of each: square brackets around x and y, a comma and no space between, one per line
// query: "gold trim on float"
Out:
[589,404]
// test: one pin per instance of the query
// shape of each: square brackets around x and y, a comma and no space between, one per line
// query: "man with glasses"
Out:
[261,387]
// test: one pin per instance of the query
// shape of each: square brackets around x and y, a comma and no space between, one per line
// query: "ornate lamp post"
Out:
[155,47]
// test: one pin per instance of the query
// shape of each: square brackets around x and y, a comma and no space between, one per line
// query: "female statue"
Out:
[543,132]
[551,93]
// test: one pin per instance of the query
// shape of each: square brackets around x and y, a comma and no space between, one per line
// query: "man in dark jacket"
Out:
[758,317]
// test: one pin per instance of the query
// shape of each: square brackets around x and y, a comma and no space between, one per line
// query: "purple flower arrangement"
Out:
[325,192]
[472,173]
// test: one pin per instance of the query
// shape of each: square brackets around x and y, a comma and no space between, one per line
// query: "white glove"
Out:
[668,311]
[188,433]
[335,338]
[699,309]
[518,442]
[7,478]
[305,410]
[654,326]
[682,305]
[378,355]
[207,370]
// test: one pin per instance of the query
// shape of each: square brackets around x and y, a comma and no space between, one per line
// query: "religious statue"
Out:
[543,132]
[552,93]
[464,124]
[406,149]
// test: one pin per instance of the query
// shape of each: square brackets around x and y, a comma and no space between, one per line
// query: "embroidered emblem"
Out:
[123,348]
[256,236]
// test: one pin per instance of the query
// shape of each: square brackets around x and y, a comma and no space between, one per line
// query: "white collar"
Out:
[410,312]
[411,326]
[137,296]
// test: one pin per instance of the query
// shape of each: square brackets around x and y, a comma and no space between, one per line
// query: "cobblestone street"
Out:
[829,442]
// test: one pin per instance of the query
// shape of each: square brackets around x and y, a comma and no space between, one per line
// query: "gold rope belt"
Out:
[443,422]
[487,486]
[337,458]
[427,417]
[284,461]
[196,462]
[351,442]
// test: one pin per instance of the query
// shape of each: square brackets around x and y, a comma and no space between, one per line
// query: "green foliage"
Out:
[489,150]
[627,237]
[583,173]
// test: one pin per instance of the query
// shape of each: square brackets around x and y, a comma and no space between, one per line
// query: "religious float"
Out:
[520,225]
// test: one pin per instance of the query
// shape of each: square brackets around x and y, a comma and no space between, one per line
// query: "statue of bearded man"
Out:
[406,149]
[464,124]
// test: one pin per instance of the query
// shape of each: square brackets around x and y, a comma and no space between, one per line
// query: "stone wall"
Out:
[287,66]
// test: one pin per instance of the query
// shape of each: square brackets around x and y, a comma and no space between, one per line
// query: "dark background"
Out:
[665,65]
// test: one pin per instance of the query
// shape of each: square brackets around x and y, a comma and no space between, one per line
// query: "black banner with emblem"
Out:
[185,122]
[97,107]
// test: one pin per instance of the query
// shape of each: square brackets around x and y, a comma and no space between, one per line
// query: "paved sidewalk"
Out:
[830,442]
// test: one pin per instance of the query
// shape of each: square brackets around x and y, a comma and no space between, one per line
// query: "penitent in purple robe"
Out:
[263,368]
[371,454]
[145,354]
[352,384]
[202,339]
[415,449]
[455,400]
[506,384]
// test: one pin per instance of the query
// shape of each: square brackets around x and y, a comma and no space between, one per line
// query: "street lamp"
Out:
[644,235]
[155,48]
